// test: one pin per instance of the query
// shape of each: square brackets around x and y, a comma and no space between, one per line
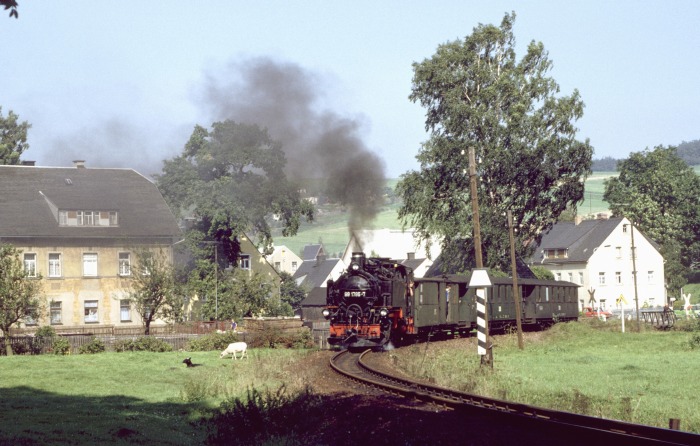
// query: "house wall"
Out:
[611,257]
[615,256]
[72,288]
[288,261]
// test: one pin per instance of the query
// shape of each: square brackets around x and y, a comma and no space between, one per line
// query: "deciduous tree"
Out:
[13,138]
[477,95]
[19,294]
[660,194]
[153,291]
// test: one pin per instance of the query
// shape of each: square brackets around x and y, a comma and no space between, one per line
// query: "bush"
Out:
[267,418]
[212,341]
[274,338]
[61,346]
[94,346]
[143,344]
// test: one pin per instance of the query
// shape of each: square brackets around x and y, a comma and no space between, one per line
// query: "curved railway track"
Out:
[579,427]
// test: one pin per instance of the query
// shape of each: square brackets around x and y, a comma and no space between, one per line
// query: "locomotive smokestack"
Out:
[358,258]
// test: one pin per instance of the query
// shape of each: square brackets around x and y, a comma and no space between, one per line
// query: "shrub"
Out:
[43,339]
[61,346]
[212,341]
[266,418]
[143,344]
[274,338]
[94,346]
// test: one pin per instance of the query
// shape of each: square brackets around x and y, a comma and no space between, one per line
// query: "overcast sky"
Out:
[122,84]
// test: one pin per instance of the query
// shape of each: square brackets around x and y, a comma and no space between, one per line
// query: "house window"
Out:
[87,218]
[90,264]
[278,265]
[91,312]
[618,252]
[580,278]
[30,320]
[30,264]
[113,219]
[571,277]
[124,264]
[125,310]
[601,278]
[557,276]
[244,261]
[650,276]
[62,218]
[54,265]
[294,267]
[618,277]
[56,313]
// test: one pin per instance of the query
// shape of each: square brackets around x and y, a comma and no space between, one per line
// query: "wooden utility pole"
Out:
[514,269]
[475,209]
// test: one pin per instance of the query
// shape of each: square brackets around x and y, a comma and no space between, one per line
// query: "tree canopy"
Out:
[12,6]
[477,95]
[230,181]
[19,294]
[660,193]
[13,138]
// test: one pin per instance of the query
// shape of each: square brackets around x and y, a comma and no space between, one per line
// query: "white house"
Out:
[394,244]
[284,260]
[597,254]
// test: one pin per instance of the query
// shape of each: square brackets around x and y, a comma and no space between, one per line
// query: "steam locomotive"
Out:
[377,302]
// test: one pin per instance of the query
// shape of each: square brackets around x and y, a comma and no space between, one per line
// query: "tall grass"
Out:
[132,397]
[583,367]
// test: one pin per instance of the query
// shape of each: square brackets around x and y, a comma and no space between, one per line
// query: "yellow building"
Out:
[79,229]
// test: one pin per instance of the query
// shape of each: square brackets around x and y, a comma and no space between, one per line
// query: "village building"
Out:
[601,256]
[79,230]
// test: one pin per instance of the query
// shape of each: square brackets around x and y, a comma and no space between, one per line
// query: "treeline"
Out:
[687,151]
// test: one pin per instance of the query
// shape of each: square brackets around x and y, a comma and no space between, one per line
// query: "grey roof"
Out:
[316,271]
[413,263]
[311,252]
[316,297]
[580,240]
[30,198]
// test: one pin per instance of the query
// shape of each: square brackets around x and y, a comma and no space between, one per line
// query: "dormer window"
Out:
[560,253]
[88,218]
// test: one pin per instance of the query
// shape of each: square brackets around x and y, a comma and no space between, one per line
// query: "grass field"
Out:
[127,398]
[586,367]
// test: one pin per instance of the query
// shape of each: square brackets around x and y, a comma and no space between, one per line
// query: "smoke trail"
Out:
[286,99]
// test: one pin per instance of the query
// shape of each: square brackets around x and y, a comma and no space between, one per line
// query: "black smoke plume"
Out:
[318,143]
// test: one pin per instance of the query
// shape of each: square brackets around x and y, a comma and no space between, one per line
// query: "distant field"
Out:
[333,231]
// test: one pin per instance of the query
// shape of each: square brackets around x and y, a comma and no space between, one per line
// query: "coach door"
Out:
[529,296]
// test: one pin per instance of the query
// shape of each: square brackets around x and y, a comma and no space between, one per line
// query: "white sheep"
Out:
[234,348]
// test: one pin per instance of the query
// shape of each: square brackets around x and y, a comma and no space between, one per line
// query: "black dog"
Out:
[189,362]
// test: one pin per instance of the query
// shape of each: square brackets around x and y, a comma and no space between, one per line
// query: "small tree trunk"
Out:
[8,345]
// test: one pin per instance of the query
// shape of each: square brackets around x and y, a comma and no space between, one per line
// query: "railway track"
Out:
[581,429]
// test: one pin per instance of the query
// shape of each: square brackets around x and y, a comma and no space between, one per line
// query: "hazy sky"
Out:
[122,84]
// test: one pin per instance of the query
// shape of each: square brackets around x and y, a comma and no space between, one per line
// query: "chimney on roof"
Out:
[79,164]
[411,256]
[28,163]
[320,259]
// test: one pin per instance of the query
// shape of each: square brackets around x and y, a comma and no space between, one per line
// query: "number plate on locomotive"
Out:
[354,294]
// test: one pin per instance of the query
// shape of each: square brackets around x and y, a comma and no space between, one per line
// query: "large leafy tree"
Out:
[242,295]
[19,294]
[13,138]
[477,95]
[153,291]
[231,181]
[660,193]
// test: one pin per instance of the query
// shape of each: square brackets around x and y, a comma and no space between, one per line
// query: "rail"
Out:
[592,427]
